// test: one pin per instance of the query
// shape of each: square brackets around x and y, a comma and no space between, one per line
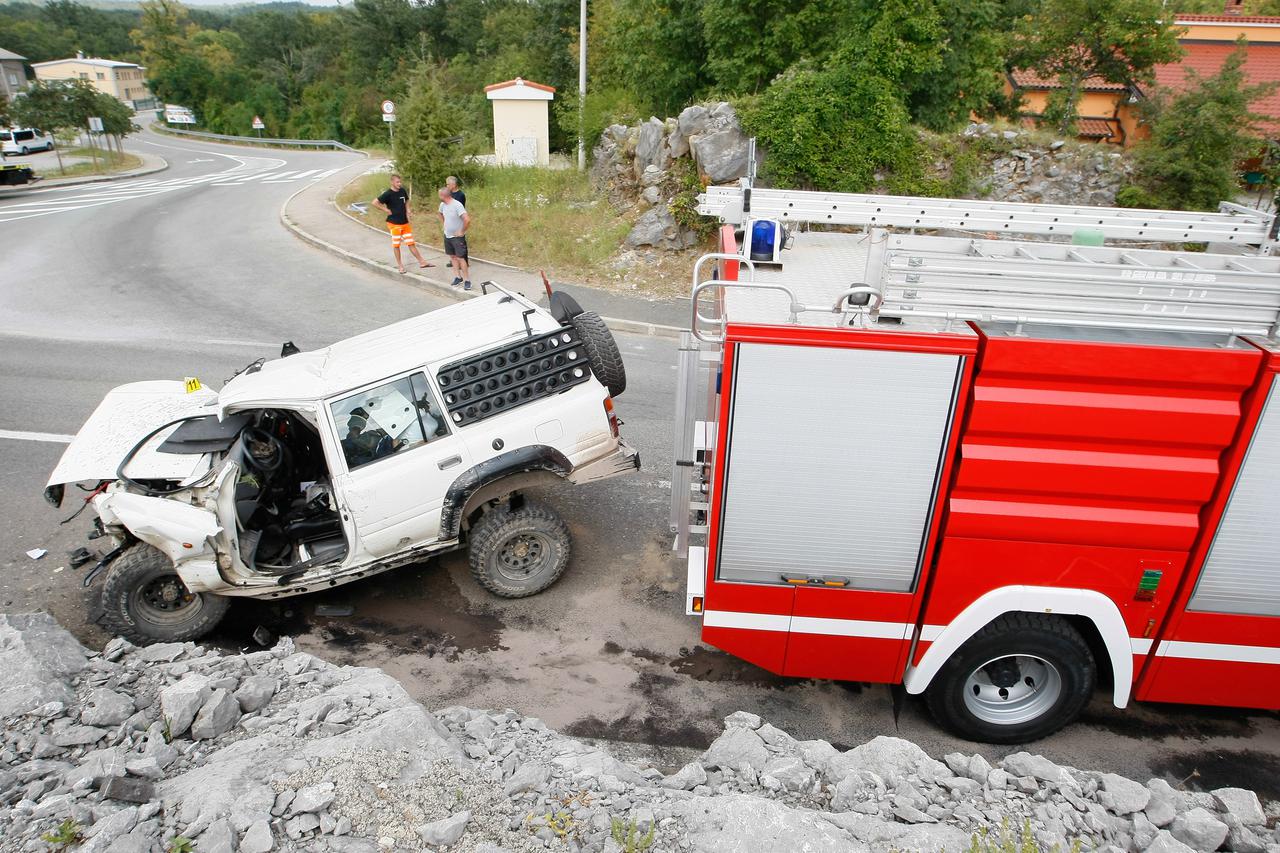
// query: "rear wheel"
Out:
[1019,679]
[602,351]
[145,601]
[518,551]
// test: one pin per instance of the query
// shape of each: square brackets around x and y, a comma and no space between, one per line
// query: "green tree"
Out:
[970,75]
[1119,41]
[835,125]
[431,132]
[46,105]
[1198,138]
[749,42]
[653,49]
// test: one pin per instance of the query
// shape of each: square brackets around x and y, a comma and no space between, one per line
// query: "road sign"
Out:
[95,124]
[174,114]
[389,108]
[257,123]
[388,116]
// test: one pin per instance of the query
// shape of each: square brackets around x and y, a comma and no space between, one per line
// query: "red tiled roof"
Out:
[1025,78]
[1261,66]
[519,82]
[1094,128]
[1226,19]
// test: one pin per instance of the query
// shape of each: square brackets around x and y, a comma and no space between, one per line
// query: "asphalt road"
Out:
[192,274]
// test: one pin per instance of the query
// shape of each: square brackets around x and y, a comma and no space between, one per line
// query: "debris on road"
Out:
[334,610]
[37,553]
[79,557]
[322,757]
[262,636]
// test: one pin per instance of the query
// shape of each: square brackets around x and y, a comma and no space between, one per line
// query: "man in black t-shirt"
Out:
[451,184]
[395,203]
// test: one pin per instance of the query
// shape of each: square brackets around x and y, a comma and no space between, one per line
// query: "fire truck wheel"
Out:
[516,552]
[1021,678]
[602,351]
[144,600]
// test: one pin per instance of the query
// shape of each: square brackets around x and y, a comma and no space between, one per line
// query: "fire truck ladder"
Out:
[1080,286]
[1233,223]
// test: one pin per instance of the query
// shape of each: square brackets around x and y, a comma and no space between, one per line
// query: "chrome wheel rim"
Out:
[522,555]
[1012,689]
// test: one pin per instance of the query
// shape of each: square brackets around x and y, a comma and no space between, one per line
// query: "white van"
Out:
[24,140]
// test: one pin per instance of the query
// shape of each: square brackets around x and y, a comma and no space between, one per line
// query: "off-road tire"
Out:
[127,614]
[602,351]
[1052,640]
[495,542]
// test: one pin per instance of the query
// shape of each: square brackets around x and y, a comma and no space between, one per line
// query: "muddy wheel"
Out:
[602,351]
[144,600]
[519,551]
[1021,678]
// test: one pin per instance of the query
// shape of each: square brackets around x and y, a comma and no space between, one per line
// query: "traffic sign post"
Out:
[258,125]
[389,116]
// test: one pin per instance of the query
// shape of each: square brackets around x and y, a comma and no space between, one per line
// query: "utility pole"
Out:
[582,86]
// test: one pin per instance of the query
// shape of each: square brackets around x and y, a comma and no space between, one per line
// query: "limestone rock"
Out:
[527,778]
[1164,842]
[217,716]
[179,703]
[313,798]
[106,708]
[442,833]
[1242,803]
[686,778]
[721,155]
[255,692]
[1199,830]
[257,839]
[737,748]
[1123,796]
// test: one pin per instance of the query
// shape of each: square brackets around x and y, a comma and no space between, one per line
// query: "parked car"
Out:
[24,140]
[320,468]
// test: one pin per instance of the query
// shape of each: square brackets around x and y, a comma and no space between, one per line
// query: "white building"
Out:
[520,122]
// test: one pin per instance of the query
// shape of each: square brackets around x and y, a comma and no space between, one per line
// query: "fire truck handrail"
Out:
[858,290]
[795,309]
[1233,224]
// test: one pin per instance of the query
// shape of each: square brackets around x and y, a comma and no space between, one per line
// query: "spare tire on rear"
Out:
[602,351]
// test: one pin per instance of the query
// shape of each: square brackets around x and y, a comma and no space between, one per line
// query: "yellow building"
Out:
[521,122]
[1108,112]
[123,80]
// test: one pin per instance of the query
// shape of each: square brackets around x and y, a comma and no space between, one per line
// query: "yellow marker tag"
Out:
[192,384]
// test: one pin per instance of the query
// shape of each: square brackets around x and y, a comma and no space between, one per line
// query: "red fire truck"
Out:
[997,471]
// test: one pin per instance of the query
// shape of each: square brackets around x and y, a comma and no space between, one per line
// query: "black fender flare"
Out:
[533,457]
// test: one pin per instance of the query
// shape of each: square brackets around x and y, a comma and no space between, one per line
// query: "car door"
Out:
[400,457]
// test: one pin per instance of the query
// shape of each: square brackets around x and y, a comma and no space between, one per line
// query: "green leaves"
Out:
[1197,140]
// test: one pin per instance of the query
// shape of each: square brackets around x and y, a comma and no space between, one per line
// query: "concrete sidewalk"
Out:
[312,215]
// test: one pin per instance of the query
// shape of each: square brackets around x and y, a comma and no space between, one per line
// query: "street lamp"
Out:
[582,85]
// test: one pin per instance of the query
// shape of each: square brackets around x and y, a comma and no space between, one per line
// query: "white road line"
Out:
[326,173]
[50,437]
[302,175]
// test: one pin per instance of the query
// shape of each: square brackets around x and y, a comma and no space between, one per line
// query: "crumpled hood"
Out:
[123,417]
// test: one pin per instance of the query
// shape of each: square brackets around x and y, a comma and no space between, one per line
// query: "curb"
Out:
[619,324]
[59,183]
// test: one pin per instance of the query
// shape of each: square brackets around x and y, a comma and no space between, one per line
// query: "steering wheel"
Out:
[257,435]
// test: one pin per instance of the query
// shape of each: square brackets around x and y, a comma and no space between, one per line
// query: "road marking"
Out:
[50,437]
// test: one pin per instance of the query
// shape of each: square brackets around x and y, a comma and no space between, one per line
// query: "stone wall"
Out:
[1030,168]
[130,749]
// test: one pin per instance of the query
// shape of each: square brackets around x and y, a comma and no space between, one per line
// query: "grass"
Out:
[107,163]
[541,219]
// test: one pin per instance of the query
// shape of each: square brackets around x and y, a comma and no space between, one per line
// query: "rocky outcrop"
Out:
[635,166]
[1028,168]
[319,757]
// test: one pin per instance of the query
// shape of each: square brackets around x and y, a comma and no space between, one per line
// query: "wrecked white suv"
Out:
[320,468]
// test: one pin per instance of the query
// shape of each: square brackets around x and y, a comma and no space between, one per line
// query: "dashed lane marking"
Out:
[49,437]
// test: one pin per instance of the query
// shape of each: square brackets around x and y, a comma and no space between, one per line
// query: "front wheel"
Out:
[144,600]
[25,150]
[1021,678]
[518,551]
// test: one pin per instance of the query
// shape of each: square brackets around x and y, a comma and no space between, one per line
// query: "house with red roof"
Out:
[1108,111]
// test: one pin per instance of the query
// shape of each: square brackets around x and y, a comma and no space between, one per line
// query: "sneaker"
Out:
[466,285]
[457,281]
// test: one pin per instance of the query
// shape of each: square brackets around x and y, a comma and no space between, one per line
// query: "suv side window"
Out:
[389,419]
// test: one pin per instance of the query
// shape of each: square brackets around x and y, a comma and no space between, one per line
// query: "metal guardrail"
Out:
[260,140]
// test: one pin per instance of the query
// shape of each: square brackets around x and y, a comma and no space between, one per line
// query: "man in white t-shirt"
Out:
[456,221]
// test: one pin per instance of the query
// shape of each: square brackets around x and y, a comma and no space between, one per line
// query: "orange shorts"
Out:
[400,234]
